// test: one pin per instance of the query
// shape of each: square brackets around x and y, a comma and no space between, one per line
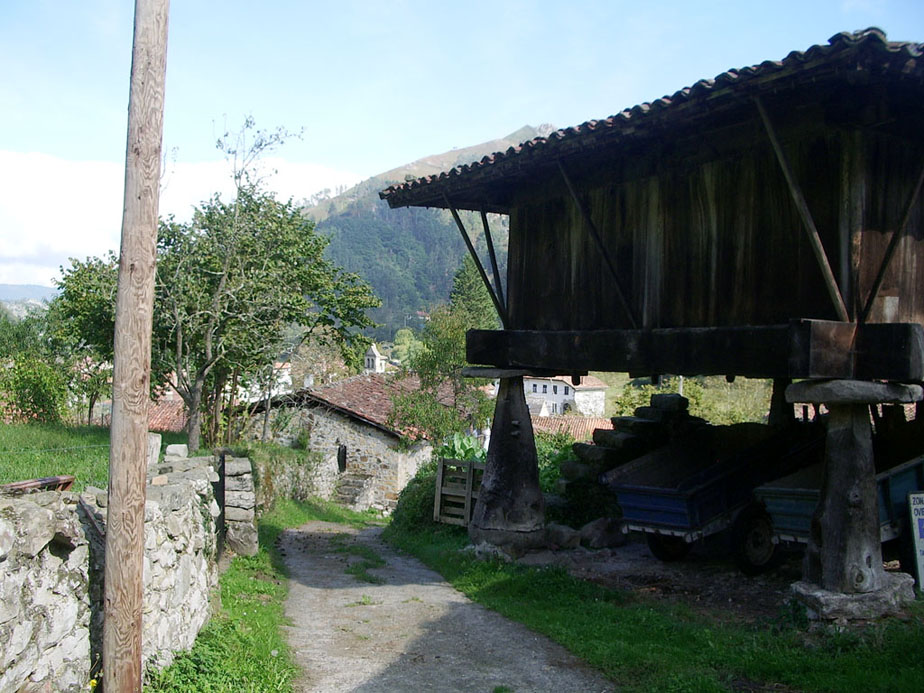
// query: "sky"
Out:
[369,85]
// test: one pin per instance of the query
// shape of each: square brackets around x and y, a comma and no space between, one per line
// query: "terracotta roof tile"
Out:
[167,415]
[581,428]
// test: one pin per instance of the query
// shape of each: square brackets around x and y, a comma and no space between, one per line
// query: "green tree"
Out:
[33,390]
[229,284]
[447,402]
[406,346]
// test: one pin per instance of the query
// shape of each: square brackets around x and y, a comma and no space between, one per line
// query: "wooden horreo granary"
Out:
[765,223]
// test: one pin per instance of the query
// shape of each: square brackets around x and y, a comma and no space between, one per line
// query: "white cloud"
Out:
[52,209]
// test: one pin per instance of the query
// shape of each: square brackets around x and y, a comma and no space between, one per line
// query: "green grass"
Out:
[369,559]
[242,648]
[32,451]
[644,645]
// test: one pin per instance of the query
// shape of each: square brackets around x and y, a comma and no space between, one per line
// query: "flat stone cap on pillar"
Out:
[853,392]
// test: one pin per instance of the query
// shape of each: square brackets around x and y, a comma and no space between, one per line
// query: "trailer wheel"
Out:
[667,548]
[752,541]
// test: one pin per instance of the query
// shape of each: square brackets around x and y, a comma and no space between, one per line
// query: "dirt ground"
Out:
[413,632]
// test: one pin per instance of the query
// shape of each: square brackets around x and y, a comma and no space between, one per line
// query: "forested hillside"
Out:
[409,256]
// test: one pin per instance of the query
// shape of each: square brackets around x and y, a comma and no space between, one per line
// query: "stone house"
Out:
[587,398]
[361,458]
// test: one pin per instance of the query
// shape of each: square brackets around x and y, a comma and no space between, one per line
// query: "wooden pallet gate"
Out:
[457,486]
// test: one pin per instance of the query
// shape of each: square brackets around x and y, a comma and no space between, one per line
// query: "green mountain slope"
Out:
[409,256]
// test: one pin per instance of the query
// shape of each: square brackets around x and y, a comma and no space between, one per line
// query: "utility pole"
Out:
[122,606]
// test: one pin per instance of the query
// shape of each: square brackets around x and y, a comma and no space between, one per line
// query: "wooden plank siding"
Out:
[720,244]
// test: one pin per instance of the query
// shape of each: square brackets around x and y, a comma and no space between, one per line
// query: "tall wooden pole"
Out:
[132,361]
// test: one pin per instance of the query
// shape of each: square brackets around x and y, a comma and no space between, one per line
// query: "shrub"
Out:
[552,449]
[414,509]
[34,390]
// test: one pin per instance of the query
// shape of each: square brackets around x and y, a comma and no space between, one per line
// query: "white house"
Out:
[375,362]
[587,398]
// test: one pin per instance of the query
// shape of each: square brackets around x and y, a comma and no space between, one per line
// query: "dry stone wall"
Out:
[51,567]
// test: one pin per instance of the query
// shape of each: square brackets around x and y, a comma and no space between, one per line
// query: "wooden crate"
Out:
[457,486]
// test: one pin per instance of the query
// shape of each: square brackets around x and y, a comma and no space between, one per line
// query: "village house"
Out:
[361,459]
[560,395]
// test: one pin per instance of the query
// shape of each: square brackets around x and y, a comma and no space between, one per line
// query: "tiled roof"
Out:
[845,53]
[368,398]
[167,415]
[581,428]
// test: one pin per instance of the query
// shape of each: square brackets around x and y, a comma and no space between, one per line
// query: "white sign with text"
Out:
[916,510]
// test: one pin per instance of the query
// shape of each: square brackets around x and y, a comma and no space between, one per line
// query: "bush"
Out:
[34,390]
[414,509]
[552,449]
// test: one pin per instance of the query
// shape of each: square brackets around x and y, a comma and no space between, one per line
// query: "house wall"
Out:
[590,402]
[376,464]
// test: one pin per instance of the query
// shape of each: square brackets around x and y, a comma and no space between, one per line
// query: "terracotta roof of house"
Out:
[581,428]
[167,415]
[368,398]
[843,57]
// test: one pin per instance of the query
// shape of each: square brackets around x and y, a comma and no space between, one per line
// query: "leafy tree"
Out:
[448,403]
[406,346]
[231,282]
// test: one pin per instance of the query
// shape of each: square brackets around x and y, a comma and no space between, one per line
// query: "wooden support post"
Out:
[799,199]
[633,323]
[501,311]
[897,235]
[122,605]
[844,553]
[510,512]
[493,258]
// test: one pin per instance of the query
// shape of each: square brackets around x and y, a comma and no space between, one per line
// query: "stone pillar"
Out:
[510,512]
[844,555]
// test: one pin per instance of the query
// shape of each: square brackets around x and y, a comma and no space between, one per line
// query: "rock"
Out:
[160,480]
[177,450]
[36,528]
[233,514]
[237,467]
[240,499]
[603,533]
[239,483]
[7,538]
[896,593]
[554,502]
[154,440]
[670,402]
[562,536]
[241,538]
[574,471]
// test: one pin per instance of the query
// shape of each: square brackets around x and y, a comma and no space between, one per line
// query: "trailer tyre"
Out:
[752,541]
[667,548]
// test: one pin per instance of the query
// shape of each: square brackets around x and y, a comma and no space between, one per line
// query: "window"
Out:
[554,389]
[341,458]
[554,407]
[566,389]
[534,387]
[545,388]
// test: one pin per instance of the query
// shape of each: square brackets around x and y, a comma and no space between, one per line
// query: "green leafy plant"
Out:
[32,390]
[461,446]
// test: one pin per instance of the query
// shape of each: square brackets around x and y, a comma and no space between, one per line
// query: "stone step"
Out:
[620,440]
[637,425]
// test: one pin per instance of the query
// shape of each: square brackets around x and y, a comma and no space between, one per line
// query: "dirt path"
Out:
[414,632]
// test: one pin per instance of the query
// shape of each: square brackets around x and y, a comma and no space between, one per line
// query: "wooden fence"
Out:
[457,486]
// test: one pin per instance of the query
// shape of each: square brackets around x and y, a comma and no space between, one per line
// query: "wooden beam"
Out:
[897,235]
[501,311]
[122,603]
[801,349]
[623,304]
[493,258]
[799,199]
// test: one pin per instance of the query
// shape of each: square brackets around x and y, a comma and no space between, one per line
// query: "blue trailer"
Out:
[790,501]
[703,483]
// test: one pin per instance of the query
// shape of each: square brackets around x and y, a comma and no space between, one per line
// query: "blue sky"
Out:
[374,85]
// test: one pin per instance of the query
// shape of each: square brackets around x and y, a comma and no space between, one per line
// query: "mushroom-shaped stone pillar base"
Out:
[510,512]
[844,554]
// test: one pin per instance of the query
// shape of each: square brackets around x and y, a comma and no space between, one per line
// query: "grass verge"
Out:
[242,648]
[32,451]
[643,645]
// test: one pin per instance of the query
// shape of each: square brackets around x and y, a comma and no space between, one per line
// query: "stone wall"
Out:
[51,567]
[351,461]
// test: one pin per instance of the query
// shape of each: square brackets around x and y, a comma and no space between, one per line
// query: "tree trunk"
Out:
[510,511]
[194,424]
[92,399]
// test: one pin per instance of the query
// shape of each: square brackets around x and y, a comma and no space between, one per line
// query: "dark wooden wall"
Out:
[715,239]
